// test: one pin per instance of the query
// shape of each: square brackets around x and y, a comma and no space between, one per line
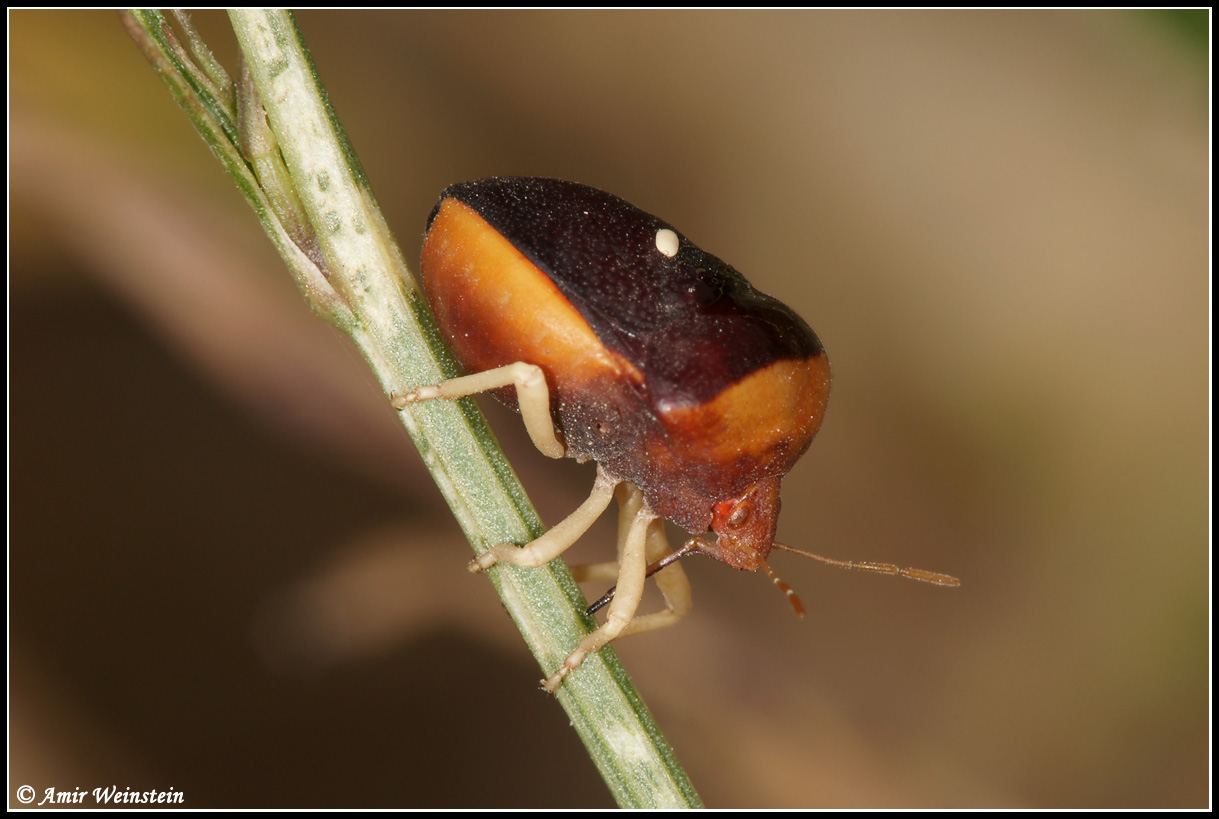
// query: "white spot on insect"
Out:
[667,242]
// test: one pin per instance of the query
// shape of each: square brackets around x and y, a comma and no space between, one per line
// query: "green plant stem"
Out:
[318,209]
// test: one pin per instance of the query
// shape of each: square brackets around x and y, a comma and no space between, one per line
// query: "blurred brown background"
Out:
[230,574]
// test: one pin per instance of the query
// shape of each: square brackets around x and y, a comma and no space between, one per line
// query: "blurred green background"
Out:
[230,575]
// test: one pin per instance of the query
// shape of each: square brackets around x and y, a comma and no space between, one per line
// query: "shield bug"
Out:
[620,341]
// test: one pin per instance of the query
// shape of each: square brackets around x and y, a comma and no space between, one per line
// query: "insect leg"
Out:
[532,395]
[672,581]
[630,589]
[630,501]
[558,538]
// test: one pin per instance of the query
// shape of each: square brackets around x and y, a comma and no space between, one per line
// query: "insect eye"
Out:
[740,515]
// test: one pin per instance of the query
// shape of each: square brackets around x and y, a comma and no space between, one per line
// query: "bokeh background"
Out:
[230,575]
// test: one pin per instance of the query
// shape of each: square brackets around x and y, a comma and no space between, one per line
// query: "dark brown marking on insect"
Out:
[668,316]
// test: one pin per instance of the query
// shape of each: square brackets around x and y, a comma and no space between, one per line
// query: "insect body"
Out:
[627,345]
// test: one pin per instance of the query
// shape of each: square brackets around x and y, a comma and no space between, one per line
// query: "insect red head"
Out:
[745,526]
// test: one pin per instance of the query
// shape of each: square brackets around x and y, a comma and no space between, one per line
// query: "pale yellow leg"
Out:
[630,501]
[634,566]
[556,541]
[532,396]
[672,581]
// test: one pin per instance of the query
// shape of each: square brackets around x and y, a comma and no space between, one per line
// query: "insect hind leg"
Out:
[532,396]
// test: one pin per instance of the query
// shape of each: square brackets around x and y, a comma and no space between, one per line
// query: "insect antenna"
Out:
[921,575]
[792,598]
